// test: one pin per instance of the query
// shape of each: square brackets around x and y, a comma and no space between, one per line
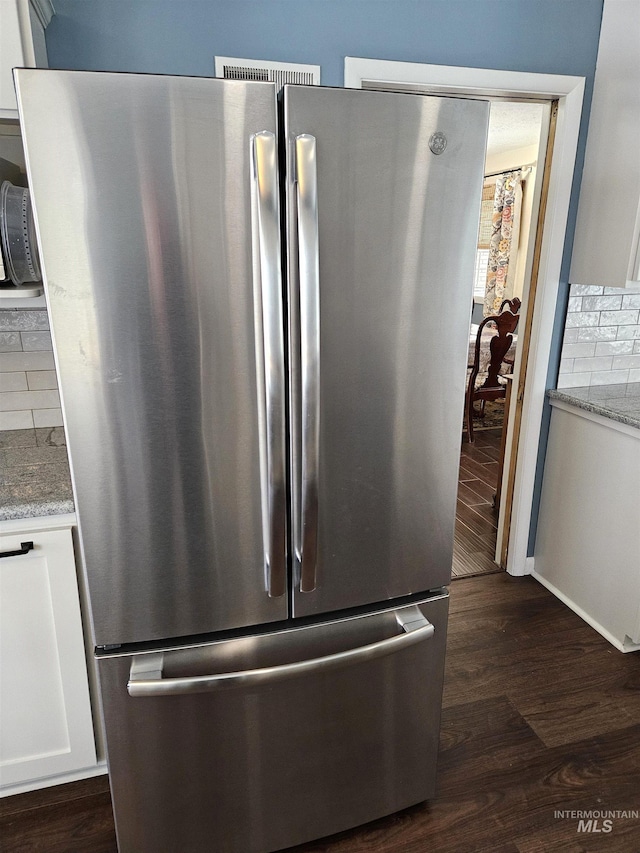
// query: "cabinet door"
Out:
[22,44]
[606,246]
[45,714]
[12,55]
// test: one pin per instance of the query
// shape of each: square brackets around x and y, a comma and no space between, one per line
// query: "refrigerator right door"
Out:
[383,199]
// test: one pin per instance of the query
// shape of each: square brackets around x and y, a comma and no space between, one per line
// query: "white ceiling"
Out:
[513,125]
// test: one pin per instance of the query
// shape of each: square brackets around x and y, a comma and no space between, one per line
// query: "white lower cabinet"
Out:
[46,728]
[588,541]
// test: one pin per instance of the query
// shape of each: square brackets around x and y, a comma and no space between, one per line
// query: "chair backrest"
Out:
[514,305]
[505,323]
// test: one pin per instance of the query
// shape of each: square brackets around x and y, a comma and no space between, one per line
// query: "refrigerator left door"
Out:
[157,212]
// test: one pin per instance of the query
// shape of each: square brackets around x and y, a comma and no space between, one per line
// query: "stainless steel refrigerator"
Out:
[260,312]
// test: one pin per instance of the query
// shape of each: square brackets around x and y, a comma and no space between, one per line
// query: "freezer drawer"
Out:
[326,727]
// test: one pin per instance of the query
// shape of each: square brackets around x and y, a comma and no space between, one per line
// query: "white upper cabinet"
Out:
[605,249]
[22,26]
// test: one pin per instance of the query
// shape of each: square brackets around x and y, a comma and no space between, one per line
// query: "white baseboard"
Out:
[626,646]
[35,785]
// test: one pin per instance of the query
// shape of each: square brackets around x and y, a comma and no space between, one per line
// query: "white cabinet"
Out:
[606,247]
[46,727]
[22,43]
[588,542]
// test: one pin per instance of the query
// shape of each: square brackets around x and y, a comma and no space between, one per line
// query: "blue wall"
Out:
[183,36]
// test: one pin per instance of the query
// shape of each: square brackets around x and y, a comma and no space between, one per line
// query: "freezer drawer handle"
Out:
[309,272]
[270,351]
[146,679]
[25,547]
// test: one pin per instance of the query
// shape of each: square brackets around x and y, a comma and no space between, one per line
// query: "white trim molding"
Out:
[44,10]
[39,523]
[454,80]
[569,92]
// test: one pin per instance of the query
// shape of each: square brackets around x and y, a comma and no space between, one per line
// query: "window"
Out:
[480,274]
[484,238]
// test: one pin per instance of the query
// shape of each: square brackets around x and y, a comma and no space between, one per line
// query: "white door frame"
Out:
[569,92]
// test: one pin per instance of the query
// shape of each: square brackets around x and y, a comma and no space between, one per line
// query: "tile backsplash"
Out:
[601,344]
[28,386]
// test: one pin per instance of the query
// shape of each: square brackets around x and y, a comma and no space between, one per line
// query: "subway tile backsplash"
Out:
[601,343]
[601,346]
[28,387]
[599,303]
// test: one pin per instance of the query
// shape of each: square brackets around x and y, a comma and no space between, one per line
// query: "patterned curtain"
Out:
[504,237]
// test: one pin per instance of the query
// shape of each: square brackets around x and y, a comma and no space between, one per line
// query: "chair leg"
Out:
[470,419]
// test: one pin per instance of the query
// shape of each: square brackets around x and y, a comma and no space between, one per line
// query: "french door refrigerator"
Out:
[260,314]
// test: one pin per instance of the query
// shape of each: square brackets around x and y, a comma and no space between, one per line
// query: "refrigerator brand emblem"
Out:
[437,142]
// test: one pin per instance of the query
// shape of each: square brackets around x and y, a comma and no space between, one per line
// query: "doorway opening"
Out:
[506,233]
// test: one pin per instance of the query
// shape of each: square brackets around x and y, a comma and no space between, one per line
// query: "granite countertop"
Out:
[34,468]
[619,403]
[34,473]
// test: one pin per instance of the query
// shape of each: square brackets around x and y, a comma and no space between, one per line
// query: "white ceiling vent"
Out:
[273,72]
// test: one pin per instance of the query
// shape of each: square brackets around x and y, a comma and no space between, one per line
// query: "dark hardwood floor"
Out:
[476,518]
[540,715]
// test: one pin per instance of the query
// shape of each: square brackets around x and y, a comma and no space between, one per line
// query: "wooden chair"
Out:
[491,389]
[514,305]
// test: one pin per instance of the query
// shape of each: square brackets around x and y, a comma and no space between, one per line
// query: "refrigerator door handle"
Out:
[309,277]
[145,678]
[270,349]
